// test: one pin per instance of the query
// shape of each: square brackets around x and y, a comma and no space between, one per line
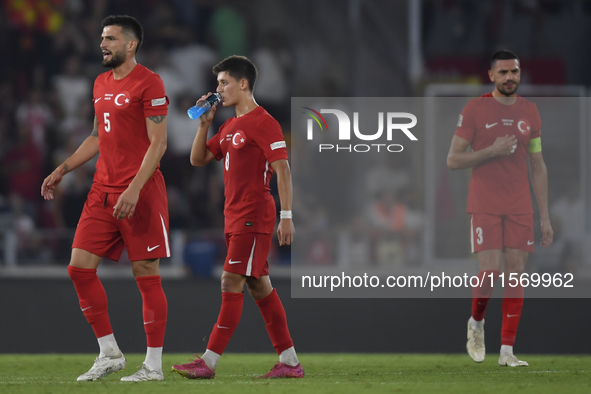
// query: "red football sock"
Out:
[155,308]
[481,294]
[228,319]
[93,299]
[512,305]
[276,322]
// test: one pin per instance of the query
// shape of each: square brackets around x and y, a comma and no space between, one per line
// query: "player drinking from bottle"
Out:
[252,147]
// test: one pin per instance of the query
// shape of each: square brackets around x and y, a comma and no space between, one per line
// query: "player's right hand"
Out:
[207,117]
[50,183]
[285,232]
[504,145]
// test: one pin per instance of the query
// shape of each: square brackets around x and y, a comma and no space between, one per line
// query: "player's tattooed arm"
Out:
[157,119]
[95,128]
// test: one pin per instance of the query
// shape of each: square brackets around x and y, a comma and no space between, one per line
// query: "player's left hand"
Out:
[126,203]
[285,232]
[547,233]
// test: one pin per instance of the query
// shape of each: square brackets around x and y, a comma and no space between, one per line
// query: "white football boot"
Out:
[102,367]
[146,373]
[509,360]
[475,345]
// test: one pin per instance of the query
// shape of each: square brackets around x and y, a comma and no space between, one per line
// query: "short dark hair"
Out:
[238,67]
[129,25]
[503,54]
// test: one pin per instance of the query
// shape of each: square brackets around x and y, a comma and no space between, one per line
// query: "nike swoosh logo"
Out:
[152,248]
[530,242]
[512,315]
[149,322]
[234,262]
[488,126]
[227,328]
[85,308]
[95,101]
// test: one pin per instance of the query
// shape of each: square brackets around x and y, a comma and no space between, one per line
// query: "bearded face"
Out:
[113,60]
[506,75]
[508,87]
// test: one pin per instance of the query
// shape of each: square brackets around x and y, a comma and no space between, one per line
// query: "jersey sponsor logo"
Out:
[239,139]
[122,100]
[530,242]
[523,126]
[148,322]
[488,126]
[460,120]
[278,144]
[152,248]
[85,308]
[249,224]
[95,101]
[234,262]
[157,102]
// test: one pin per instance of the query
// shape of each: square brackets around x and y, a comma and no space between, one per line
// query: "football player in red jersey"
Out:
[503,131]
[252,147]
[127,204]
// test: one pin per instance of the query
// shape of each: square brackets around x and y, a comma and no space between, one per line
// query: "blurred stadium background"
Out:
[309,48]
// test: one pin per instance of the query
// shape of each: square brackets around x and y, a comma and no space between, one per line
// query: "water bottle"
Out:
[196,111]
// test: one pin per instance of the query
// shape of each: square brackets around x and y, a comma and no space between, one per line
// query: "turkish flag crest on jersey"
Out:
[524,126]
[122,100]
[238,139]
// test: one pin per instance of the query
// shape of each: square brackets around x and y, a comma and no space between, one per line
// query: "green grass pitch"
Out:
[325,373]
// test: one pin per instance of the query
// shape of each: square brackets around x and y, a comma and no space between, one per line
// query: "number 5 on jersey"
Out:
[107,122]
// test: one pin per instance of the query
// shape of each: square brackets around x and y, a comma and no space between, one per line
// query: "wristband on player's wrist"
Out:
[285,214]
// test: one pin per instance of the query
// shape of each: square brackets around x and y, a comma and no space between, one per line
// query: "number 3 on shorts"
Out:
[479,238]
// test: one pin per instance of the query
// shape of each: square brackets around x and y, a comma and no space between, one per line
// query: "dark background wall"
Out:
[42,316]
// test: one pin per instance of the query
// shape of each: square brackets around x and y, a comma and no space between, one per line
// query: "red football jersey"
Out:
[500,185]
[248,145]
[121,107]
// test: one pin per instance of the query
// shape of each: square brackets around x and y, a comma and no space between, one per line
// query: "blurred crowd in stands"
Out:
[50,57]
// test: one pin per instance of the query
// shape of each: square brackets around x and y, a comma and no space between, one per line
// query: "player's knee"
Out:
[232,283]
[515,261]
[257,293]
[83,259]
[253,291]
[145,268]
[258,288]
[516,267]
